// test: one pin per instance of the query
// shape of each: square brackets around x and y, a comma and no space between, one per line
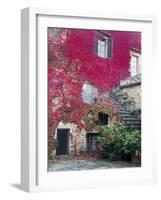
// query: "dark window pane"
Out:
[91,142]
[103,118]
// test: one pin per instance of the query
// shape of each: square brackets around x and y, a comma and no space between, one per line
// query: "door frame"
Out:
[68,129]
[90,135]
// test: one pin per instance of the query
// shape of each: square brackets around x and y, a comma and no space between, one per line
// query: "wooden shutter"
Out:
[110,47]
[95,43]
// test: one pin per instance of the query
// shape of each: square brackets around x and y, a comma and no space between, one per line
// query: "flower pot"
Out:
[136,158]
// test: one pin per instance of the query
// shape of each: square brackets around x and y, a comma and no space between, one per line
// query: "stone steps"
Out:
[125,114]
[128,118]
[131,120]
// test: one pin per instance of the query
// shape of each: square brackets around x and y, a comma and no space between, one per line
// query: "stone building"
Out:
[119,54]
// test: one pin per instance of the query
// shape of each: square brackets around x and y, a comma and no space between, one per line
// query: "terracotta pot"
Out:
[136,158]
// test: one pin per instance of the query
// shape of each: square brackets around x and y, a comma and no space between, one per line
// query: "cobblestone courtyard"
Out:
[70,165]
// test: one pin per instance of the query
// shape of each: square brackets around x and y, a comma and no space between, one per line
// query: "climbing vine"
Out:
[104,106]
[71,61]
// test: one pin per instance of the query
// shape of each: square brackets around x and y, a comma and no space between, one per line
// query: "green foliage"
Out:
[117,139]
[131,142]
[126,101]
[137,112]
[119,93]
[109,138]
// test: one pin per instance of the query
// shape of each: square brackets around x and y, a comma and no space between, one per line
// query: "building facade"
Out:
[108,59]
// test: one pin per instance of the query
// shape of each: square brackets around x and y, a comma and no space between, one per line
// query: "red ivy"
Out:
[72,60]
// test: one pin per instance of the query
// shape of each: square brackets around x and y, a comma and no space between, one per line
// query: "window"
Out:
[91,142]
[135,63]
[102,48]
[103,45]
[89,93]
[103,118]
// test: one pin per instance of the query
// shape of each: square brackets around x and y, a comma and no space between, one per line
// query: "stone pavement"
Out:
[70,165]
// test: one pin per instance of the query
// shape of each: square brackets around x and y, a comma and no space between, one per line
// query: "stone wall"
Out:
[135,92]
[77,142]
[77,138]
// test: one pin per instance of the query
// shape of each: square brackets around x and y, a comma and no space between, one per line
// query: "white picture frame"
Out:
[34,175]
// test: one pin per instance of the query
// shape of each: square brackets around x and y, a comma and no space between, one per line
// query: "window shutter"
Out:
[95,43]
[110,47]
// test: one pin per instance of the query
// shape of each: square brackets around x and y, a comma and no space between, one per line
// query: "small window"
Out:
[102,48]
[89,93]
[103,45]
[91,142]
[103,118]
[135,63]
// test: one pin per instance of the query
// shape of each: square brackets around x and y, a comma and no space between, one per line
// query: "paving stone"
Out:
[70,165]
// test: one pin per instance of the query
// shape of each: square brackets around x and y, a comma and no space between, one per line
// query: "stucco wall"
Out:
[135,92]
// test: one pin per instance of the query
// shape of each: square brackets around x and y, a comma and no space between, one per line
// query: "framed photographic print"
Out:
[86,109]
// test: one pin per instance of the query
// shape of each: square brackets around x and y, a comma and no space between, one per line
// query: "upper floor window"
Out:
[102,48]
[103,45]
[135,63]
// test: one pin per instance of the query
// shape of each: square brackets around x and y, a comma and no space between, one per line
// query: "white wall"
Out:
[10,98]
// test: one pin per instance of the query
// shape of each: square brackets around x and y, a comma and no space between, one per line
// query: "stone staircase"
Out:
[129,119]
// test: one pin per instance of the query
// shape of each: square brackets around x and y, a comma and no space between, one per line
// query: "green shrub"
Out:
[109,138]
[131,142]
[116,139]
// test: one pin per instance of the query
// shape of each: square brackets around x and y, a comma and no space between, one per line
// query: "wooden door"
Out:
[62,138]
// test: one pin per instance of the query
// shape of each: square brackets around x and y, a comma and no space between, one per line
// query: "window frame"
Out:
[91,143]
[89,93]
[107,51]
[137,54]
[102,48]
